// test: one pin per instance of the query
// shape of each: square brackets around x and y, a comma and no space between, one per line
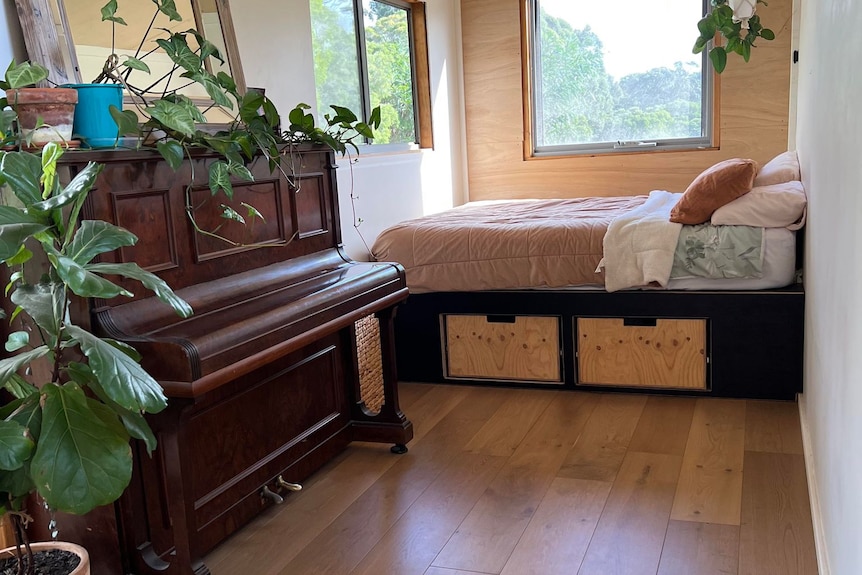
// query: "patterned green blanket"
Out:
[718,252]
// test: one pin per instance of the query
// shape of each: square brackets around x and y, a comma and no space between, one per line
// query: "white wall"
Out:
[275,46]
[11,40]
[829,142]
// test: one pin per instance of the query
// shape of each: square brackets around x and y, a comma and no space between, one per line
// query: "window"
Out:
[617,75]
[365,56]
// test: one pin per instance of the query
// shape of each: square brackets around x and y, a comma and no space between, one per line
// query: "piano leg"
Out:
[390,424]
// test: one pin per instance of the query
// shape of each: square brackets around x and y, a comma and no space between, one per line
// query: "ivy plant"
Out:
[739,34]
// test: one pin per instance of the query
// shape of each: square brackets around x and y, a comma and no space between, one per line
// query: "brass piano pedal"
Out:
[267,493]
[288,485]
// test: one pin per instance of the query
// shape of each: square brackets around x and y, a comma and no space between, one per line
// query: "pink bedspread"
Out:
[504,244]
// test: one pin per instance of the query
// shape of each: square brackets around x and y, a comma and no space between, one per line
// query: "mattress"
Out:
[539,244]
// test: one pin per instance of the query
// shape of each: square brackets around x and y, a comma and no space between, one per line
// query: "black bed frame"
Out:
[754,338]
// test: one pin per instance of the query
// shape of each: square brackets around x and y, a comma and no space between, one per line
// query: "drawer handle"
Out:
[640,321]
[288,485]
[267,493]
[500,318]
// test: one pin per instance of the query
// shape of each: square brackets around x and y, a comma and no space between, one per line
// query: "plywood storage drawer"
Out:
[506,348]
[637,352]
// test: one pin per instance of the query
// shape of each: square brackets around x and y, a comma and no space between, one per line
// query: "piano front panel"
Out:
[147,197]
[148,213]
[290,407]
[268,196]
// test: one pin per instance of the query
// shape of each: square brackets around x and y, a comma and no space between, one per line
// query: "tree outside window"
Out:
[362,68]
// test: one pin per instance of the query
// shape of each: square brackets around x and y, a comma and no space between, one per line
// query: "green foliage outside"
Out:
[336,68]
[582,103]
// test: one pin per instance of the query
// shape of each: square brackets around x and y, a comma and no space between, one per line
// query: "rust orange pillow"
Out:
[716,186]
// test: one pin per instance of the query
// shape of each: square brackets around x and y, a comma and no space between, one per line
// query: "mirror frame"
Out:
[45,46]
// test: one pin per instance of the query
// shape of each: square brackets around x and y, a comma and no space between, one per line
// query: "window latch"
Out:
[634,144]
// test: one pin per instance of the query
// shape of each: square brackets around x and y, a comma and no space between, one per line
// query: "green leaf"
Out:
[23,173]
[15,446]
[227,82]
[746,51]
[220,179]
[122,378]
[134,422]
[17,340]
[169,9]
[84,282]
[13,234]
[374,120]
[96,237]
[79,186]
[11,365]
[718,57]
[109,10]
[126,120]
[25,74]
[23,256]
[706,26]
[150,281]
[229,213]
[212,87]
[50,154]
[83,459]
[45,302]
[250,105]
[136,64]
[174,116]
[179,52]
[343,114]
[173,153]
[699,45]
[767,34]
[20,388]
[240,171]
[252,212]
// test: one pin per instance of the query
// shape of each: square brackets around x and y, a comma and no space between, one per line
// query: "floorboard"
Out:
[504,481]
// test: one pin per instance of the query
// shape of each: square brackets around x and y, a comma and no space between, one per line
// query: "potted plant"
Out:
[737,22]
[42,114]
[73,399]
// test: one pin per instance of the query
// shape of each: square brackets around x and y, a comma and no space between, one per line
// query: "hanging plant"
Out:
[738,23]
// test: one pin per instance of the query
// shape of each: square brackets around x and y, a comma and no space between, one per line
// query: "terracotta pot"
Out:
[83,567]
[55,107]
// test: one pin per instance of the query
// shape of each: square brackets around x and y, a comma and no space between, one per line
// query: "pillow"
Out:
[780,169]
[714,187]
[776,206]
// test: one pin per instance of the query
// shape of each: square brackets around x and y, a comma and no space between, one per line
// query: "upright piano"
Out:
[263,381]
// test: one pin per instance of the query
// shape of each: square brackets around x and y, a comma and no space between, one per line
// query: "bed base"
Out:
[752,340]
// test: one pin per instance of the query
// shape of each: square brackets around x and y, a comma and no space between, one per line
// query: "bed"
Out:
[608,293]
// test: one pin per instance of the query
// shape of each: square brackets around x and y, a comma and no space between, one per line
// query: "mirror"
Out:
[76,42]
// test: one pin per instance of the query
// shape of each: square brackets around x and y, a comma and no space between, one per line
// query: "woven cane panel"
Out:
[370,362]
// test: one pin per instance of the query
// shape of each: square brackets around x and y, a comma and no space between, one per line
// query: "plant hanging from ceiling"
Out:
[738,23]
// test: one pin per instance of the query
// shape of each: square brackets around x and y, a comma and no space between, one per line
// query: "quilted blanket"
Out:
[504,244]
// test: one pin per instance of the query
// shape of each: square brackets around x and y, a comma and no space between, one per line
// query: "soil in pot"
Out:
[51,558]
[50,562]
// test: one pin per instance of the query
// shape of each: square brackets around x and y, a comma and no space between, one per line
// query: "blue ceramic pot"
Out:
[93,121]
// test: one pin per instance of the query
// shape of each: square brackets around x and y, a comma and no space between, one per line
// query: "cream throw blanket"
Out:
[639,245]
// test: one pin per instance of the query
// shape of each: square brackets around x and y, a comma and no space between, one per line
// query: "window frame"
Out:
[531,69]
[419,68]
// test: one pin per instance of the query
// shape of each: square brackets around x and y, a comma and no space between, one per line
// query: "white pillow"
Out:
[782,168]
[775,206]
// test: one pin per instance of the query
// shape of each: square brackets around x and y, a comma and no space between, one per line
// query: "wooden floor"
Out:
[544,482]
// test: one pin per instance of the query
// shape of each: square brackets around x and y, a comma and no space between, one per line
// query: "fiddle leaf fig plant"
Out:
[74,399]
[740,26]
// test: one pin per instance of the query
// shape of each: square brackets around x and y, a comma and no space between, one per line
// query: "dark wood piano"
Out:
[263,381]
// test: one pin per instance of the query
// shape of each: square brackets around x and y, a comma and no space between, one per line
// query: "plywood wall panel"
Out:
[754,108]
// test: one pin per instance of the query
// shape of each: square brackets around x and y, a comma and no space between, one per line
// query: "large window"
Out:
[363,58]
[617,75]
